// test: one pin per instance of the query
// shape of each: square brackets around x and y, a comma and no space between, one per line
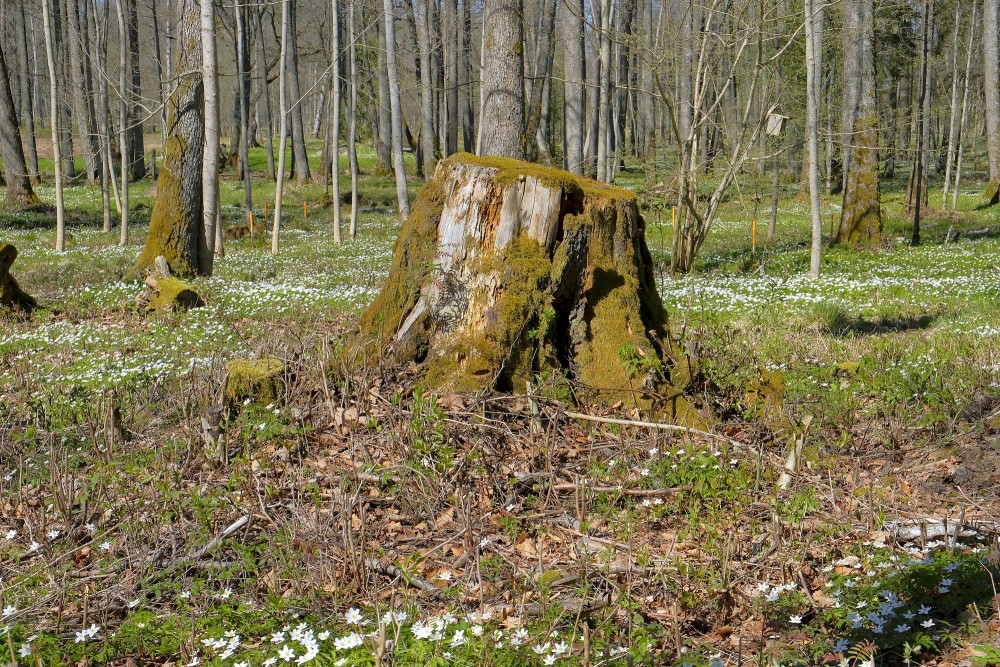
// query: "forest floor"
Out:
[361,520]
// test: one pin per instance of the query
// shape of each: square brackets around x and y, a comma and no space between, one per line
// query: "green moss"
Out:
[173,294]
[259,380]
[861,216]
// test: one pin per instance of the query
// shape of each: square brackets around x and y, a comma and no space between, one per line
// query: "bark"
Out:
[507,270]
[426,88]
[177,226]
[299,156]
[396,110]
[136,139]
[18,182]
[965,108]
[265,90]
[861,216]
[352,116]
[335,120]
[917,186]
[812,123]
[604,96]
[575,91]
[468,114]
[98,38]
[54,116]
[538,85]
[502,118]
[27,97]
[63,107]
[449,34]
[83,109]
[243,102]
[954,112]
[991,84]
[211,156]
[383,140]
[123,120]
[283,116]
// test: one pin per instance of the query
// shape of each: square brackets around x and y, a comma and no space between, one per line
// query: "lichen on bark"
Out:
[507,271]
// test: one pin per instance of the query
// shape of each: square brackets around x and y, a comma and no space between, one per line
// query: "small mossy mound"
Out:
[11,294]
[507,271]
[259,380]
[172,294]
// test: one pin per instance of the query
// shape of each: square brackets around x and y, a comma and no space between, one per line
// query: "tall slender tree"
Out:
[396,109]
[279,189]
[335,120]
[212,151]
[352,114]
[812,127]
[575,92]
[991,85]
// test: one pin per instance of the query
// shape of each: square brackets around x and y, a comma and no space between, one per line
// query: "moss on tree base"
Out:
[11,294]
[508,271]
[992,192]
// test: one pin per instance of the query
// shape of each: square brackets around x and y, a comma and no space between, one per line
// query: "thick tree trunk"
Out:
[502,118]
[991,82]
[861,215]
[507,272]
[177,225]
[575,92]
[19,192]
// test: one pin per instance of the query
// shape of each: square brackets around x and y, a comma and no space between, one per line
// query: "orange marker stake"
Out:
[673,216]
[250,219]
[265,209]
[753,236]
[305,213]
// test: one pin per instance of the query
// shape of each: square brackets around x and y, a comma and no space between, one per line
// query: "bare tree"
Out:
[426,88]
[965,107]
[27,97]
[299,154]
[575,83]
[335,121]
[812,126]
[123,119]
[352,116]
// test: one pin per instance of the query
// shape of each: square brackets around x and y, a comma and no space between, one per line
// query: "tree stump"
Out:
[992,192]
[508,272]
[257,380]
[11,294]
[165,293]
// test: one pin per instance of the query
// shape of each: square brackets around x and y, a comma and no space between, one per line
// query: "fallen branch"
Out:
[391,570]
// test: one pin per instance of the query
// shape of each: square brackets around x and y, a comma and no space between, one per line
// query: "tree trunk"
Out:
[123,120]
[210,159]
[335,120]
[299,155]
[265,91]
[57,19]
[507,272]
[426,88]
[965,109]
[27,97]
[99,39]
[812,123]
[953,115]
[396,110]
[604,96]
[177,226]
[861,214]
[352,117]
[575,91]
[502,119]
[918,189]
[468,114]
[279,188]
[54,102]
[991,83]
[383,138]
[449,35]
[83,100]
[137,147]
[243,81]
[19,192]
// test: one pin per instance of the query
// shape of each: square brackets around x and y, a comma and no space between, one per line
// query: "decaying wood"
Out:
[507,272]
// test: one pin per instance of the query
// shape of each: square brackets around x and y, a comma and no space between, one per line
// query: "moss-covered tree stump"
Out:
[259,380]
[992,192]
[11,294]
[506,271]
[165,293]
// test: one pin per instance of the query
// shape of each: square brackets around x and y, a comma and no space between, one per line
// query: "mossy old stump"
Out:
[166,293]
[254,380]
[11,294]
[507,272]
[992,192]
